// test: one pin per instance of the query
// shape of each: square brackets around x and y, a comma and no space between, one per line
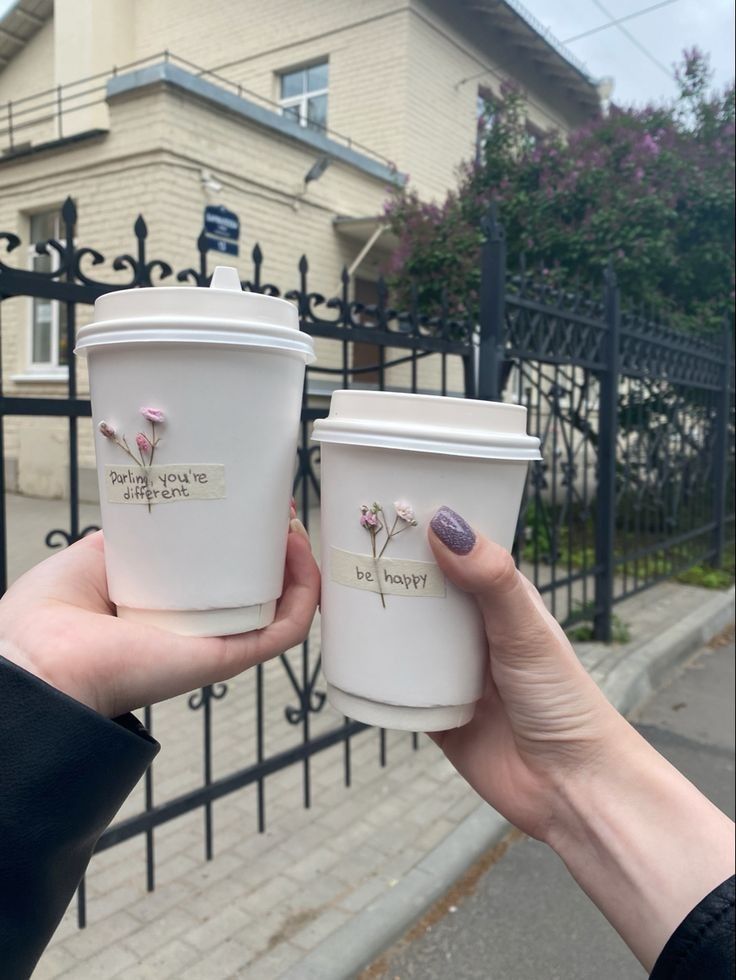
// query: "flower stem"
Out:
[153,442]
[390,534]
[378,575]
[126,449]
[138,462]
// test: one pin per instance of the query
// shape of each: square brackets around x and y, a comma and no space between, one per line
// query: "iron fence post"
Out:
[720,450]
[605,510]
[492,302]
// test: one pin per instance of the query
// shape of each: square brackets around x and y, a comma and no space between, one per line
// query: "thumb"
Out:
[515,617]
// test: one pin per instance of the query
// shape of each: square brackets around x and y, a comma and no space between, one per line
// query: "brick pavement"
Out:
[266,898]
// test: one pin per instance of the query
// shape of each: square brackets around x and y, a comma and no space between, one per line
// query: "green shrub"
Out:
[651,188]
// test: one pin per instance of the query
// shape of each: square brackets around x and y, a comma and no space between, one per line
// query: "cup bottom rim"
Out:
[407,718]
[204,622]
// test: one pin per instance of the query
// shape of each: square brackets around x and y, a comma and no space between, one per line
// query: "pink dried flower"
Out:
[143,443]
[107,430]
[405,511]
[368,519]
[153,414]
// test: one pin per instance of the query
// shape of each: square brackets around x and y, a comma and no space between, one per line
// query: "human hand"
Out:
[57,622]
[542,719]
[548,751]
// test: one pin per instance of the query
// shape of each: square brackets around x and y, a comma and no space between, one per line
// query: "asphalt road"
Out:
[526,919]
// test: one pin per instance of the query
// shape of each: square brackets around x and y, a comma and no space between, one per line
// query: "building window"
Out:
[485,120]
[533,135]
[303,95]
[48,347]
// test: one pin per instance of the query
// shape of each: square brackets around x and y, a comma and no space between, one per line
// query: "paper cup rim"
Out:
[470,436]
[183,330]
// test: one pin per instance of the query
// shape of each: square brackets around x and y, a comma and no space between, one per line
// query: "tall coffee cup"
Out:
[196,397]
[401,646]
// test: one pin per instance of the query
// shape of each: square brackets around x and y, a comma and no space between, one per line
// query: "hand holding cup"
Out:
[58,622]
[549,752]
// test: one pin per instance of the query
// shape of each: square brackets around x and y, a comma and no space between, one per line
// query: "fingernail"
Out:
[453,531]
[296,526]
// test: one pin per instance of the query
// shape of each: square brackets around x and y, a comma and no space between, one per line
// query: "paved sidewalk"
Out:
[273,903]
[524,917]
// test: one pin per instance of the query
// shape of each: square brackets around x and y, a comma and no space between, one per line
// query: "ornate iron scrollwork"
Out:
[212,692]
[66,538]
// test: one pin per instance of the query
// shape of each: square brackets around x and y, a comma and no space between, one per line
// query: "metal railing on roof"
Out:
[549,37]
[45,111]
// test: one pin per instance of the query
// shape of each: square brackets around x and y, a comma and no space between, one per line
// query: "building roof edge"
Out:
[171,74]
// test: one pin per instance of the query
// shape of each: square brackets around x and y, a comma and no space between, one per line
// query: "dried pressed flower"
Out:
[153,414]
[107,430]
[405,511]
[374,520]
[368,518]
[143,443]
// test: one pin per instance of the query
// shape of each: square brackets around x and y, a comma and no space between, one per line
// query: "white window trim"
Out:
[40,377]
[489,120]
[41,371]
[301,100]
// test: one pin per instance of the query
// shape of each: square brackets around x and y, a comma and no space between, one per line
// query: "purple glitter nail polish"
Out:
[453,531]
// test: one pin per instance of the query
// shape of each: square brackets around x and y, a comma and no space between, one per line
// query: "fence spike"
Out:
[609,274]
[69,214]
[490,225]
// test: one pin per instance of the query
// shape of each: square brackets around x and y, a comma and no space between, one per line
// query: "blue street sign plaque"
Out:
[220,245]
[222,229]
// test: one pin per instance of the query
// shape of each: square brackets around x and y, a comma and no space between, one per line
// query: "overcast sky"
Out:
[663,33]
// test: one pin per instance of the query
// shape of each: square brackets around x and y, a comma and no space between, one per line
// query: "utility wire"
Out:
[620,20]
[645,51]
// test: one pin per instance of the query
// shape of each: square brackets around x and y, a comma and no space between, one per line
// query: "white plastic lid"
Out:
[222,314]
[429,424]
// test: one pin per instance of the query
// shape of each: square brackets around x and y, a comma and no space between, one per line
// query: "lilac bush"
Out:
[652,188]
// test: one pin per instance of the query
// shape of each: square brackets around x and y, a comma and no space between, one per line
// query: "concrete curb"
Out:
[640,670]
[355,945]
[636,672]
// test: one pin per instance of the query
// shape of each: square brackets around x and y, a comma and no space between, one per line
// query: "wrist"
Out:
[641,840]
[62,681]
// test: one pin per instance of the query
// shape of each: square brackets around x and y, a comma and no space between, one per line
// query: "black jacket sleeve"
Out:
[64,773]
[702,946]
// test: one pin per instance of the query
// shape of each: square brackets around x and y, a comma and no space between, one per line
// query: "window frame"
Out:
[301,101]
[485,97]
[50,370]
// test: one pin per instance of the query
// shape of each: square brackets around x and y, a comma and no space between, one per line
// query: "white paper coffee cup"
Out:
[195,538]
[401,646]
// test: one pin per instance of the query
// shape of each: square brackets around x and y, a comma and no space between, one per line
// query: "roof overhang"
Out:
[521,30]
[19,25]
[362,230]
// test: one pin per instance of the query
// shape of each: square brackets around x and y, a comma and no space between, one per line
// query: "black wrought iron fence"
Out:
[636,423]
[637,429]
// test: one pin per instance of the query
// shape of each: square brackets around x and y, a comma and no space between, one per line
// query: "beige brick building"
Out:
[161,108]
